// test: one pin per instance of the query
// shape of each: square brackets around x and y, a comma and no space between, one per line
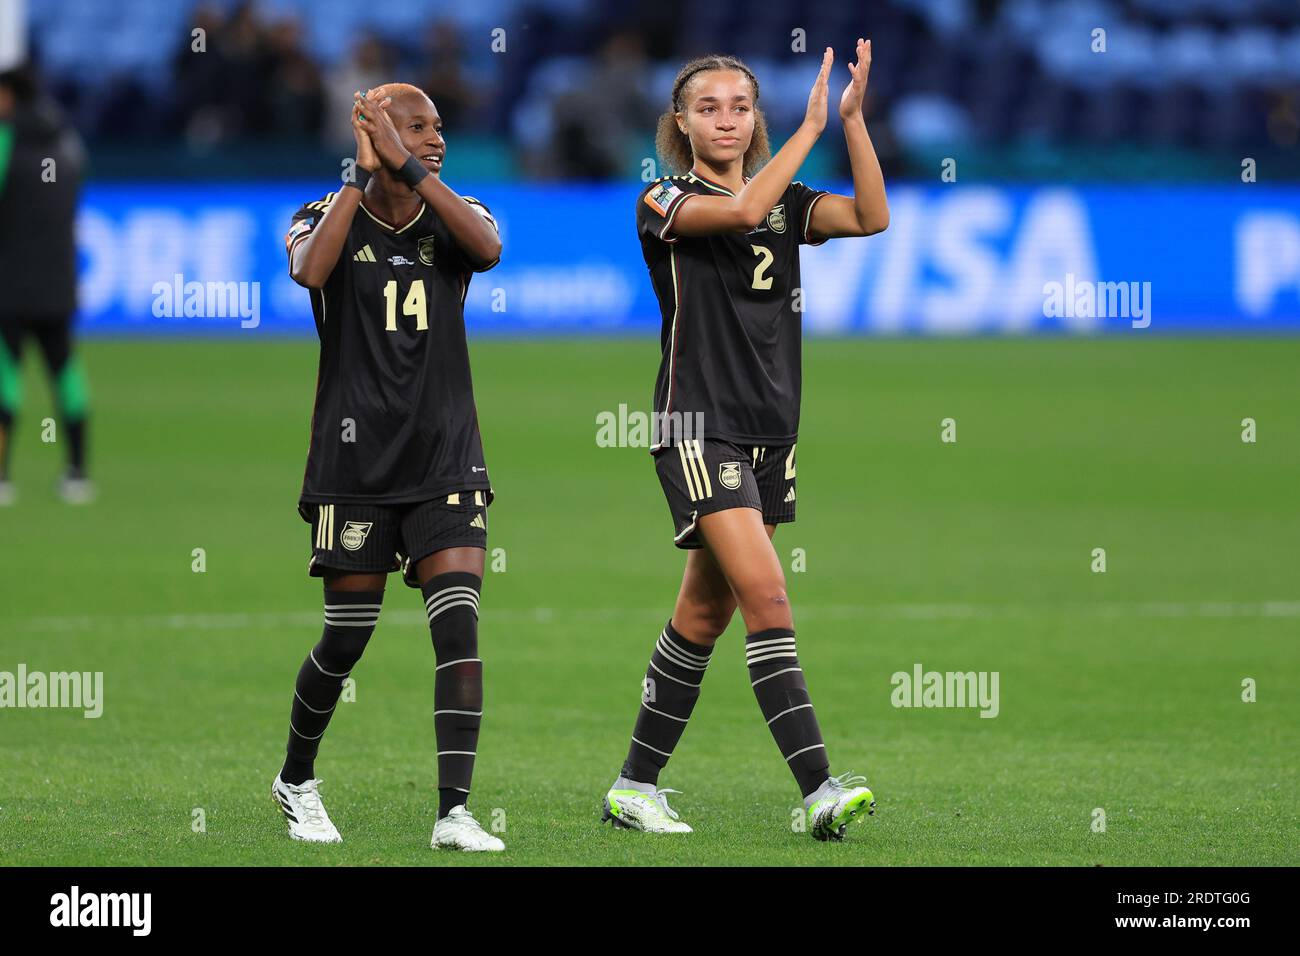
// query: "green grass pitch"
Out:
[1119,690]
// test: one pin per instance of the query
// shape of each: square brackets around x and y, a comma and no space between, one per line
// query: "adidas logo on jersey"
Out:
[478,522]
[364,254]
[789,495]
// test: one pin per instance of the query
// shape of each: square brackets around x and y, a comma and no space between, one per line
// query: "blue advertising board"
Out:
[956,260]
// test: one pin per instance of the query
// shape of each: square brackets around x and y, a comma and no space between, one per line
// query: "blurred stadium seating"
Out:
[1016,79]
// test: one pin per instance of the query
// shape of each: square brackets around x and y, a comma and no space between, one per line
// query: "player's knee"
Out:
[339,650]
[766,606]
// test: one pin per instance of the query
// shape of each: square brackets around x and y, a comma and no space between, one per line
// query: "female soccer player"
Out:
[723,253]
[395,473]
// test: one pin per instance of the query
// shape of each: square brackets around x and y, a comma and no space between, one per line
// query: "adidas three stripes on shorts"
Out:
[377,539]
[701,476]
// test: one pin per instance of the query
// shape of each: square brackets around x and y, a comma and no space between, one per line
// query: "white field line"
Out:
[542,615]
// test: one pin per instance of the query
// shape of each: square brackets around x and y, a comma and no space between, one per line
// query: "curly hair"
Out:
[674,146]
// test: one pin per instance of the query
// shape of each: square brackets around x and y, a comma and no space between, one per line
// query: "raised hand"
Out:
[372,117]
[815,118]
[367,159]
[851,100]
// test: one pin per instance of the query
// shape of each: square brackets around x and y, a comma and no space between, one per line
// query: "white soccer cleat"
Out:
[647,811]
[302,808]
[8,493]
[458,830]
[834,804]
[77,491]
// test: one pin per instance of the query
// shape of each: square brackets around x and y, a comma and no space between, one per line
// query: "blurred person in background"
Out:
[369,66]
[596,122]
[446,81]
[297,91]
[41,163]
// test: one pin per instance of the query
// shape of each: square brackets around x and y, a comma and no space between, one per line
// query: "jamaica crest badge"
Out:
[776,218]
[354,534]
[729,475]
[426,250]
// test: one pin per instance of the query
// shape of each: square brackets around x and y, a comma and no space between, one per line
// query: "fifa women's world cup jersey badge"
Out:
[776,218]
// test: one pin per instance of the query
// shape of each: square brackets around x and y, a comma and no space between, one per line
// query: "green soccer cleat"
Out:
[643,810]
[832,807]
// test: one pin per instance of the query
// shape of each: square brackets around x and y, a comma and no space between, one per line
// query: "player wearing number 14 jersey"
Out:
[395,474]
[721,242]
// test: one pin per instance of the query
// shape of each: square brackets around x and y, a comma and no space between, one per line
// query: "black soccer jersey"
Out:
[731,324]
[394,419]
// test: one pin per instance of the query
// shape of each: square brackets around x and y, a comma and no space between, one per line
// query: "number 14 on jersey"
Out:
[414,304]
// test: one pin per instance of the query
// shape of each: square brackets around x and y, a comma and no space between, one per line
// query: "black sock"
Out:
[6,431]
[782,693]
[449,797]
[668,695]
[451,601]
[75,432]
[350,618]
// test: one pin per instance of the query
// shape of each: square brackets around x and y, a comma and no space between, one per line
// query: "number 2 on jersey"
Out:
[764,260]
[413,305]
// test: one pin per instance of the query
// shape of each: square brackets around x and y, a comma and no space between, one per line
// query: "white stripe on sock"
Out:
[684,683]
[438,612]
[804,751]
[661,713]
[310,707]
[312,655]
[447,592]
[648,747]
[676,656]
[770,676]
[758,645]
[758,660]
[304,736]
[702,658]
[789,711]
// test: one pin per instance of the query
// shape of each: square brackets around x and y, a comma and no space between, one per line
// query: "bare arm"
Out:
[474,234]
[866,212]
[313,259]
[704,215]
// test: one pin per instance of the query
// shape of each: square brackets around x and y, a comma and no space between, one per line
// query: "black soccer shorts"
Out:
[701,476]
[377,539]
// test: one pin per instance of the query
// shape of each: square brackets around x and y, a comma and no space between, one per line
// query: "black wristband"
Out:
[359,178]
[412,172]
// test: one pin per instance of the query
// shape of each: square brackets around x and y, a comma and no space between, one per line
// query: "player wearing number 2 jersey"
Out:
[395,472]
[722,250]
